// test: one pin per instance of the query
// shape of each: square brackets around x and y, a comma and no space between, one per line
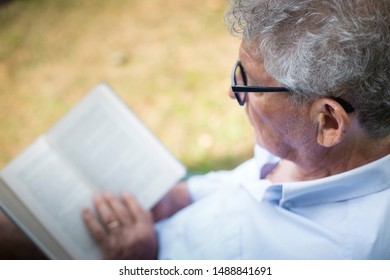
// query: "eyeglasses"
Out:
[241,89]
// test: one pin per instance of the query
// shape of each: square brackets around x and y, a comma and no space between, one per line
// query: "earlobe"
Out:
[332,122]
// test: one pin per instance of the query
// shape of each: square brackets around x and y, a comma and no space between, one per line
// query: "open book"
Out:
[99,145]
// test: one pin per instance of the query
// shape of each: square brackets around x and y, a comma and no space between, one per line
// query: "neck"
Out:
[326,162]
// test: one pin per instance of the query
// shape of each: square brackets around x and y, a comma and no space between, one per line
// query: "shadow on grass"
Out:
[4,2]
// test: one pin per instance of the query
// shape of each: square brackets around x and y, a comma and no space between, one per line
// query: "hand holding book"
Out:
[100,145]
[126,230]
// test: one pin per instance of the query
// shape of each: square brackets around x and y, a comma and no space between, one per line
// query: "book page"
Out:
[109,145]
[55,195]
[11,205]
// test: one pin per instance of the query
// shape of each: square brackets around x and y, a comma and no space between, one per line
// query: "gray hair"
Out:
[324,48]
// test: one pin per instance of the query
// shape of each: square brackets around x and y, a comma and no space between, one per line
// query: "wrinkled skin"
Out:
[131,237]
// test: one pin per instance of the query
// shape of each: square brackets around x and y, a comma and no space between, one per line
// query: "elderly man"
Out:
[313,76]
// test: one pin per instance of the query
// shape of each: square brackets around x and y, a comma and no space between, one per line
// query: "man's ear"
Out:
[332,121]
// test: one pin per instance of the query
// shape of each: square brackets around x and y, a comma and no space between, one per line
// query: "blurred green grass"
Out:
[169,60]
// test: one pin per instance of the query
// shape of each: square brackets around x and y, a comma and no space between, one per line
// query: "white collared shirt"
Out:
[237,215]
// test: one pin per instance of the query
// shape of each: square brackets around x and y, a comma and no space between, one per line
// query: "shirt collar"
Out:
[367,179]
[361,181]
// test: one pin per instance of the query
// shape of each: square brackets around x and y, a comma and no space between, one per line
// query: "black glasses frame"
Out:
[237,89]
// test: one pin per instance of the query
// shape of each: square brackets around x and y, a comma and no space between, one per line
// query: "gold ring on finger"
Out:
[113,225]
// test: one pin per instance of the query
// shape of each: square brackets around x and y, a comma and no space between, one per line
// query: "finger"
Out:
[104,210]
[135,208]
[124,216]
[93,225]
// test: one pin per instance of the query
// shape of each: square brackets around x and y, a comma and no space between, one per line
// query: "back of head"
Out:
[324,48]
